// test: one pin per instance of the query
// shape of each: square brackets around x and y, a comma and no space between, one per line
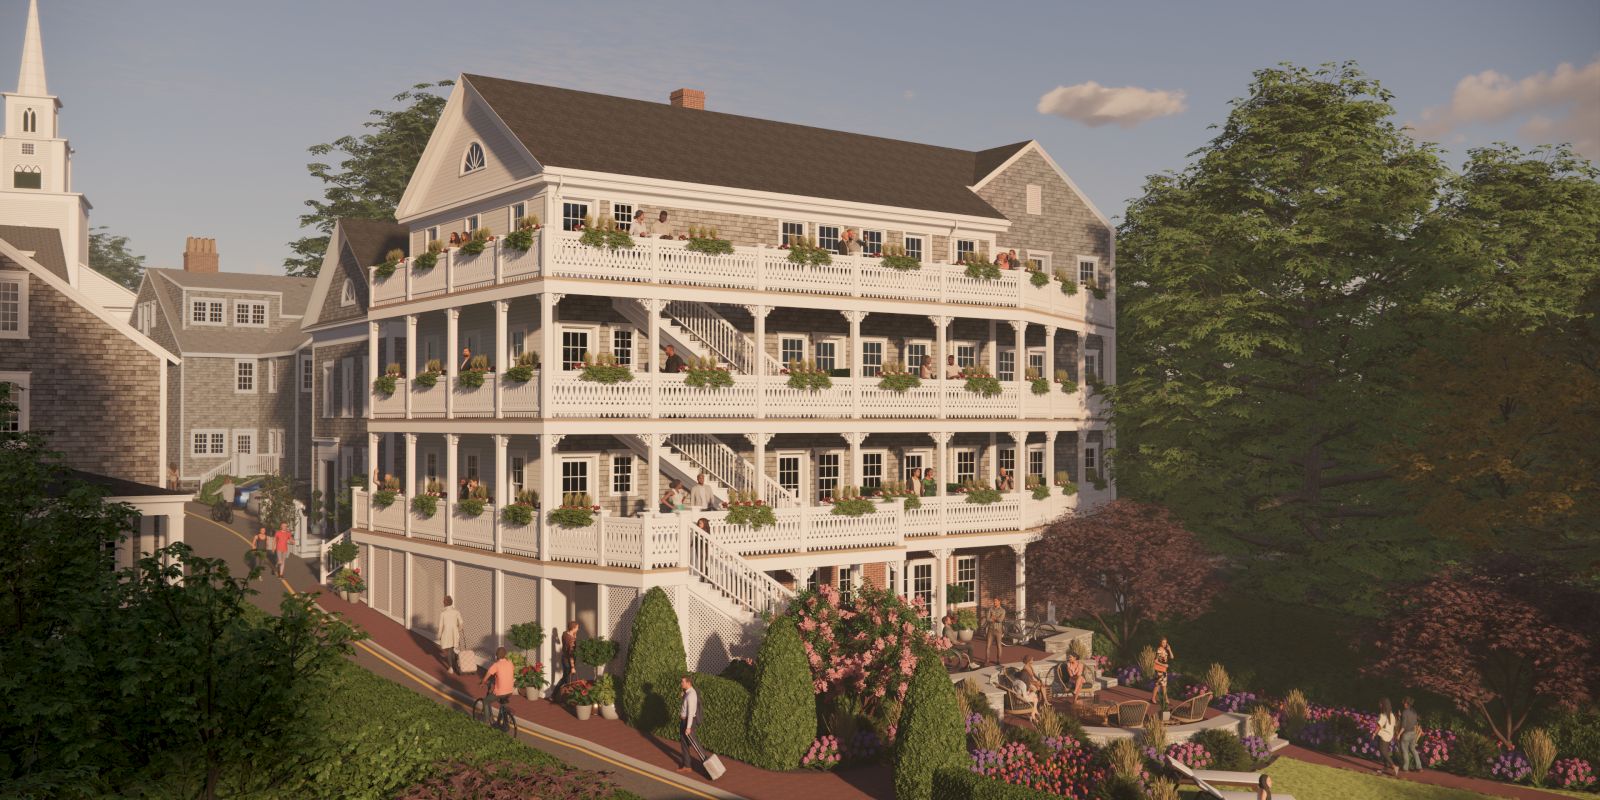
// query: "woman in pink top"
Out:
[500,678]
[280,545]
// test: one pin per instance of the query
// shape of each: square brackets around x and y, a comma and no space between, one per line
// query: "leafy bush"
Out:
[1039,386]
[577,510]
[895,257]
[1572,774]
[391,261]
[475,244]
[383,498]
[425,505]
[606,235]
[429,259]
[1577,734]
[724,716]
[805,376]
[952,783]
[605,690]
[980,382]
[597,651]
[849,503]
[1227,752]
[344,552]
[526,636]
[805,251]
[604,369]
[471,379]
[517,515]
[746,508]
[741,671]
[704,240]
[520,239]
[1069,287]
[655,664]
[899,381]
[707,374]
[981,492]
[930,733]
[470,507]
[384,385]
[980,268]
[1472,754]
[783,710]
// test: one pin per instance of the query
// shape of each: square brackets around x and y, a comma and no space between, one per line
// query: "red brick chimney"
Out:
[689,98]
[200,255]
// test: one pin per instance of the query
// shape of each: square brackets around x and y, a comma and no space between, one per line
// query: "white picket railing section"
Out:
[732,469]
[752,589]
[722,336]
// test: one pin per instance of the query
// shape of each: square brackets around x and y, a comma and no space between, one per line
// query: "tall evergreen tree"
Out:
[783,712]
[110,256]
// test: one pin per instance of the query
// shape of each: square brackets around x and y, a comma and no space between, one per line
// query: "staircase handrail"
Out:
[722,336]
[732,469]
[729,573]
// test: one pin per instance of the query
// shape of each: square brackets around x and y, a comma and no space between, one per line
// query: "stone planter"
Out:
[346,596]
[531,692]
[965,635]
[609,711]
[583,711]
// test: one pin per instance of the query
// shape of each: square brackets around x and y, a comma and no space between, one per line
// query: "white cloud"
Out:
[1095,105]
[1561,106]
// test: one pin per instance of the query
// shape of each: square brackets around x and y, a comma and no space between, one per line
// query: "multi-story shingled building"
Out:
[506,154]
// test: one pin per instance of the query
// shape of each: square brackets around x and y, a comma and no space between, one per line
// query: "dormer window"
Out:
[30,121]
[27,177]
[474,159]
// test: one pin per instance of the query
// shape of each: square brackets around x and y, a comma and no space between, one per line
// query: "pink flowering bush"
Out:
[865,648]
[1071,771]
[823,755]
[1572,773]
[1193,754]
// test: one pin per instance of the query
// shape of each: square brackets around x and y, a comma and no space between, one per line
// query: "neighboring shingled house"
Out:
[240,401]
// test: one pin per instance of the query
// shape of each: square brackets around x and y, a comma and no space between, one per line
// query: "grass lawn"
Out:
[1313,782]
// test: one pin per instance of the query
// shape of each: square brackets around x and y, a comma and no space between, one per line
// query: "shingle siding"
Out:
[1067,228]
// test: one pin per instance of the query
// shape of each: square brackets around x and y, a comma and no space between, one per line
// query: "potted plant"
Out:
[980,492]
[747,508]
[473,504]
[604,369]
[577,510]
[579,695]
[1068,385]
[806,376]
[475,243]
[522,238]
[1036,485]
[529,677]
[526,636]
[391,262]
[1068,488]
[1038,384]
[897,378]
[894,257]
[704,239]
[348,583]
[966,623]
[849,503]
[472,376]
[979,267]
[805,251]
[522,371]
[605,235]
[704,373]
[384,384]
[429,259]
[387,493]
[604,695]
[425,505]
[520,510]
[429,376]
[597,652]
[980,382]
[1069,287]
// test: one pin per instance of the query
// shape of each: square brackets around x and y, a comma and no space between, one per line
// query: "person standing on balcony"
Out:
[641,225]
[850,245]
[1004,483]
[662,229]
[951,371]
[450,634]
[929,486]
[172,476]
[995,626]
[701,497]
[569,656]
[466,359]
[674,363]
[926,370]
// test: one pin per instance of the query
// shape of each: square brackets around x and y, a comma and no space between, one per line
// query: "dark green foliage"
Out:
[1117,787]
[783,710]
[742,672]
[596,651]
[724,716]
[960,783]
[1029,737]
[109,255]
[656,662]
[1471,754]
[1577,735]
[1227,752]
[931,734]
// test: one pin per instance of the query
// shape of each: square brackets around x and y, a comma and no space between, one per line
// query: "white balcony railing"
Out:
[391,405]
[763,269]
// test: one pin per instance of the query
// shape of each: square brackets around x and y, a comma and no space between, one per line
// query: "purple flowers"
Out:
[1193,754]
[1129,675]
[1511,767]
[1237,701]
[1258,749]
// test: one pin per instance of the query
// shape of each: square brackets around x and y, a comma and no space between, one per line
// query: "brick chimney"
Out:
[689,98]
[200,255]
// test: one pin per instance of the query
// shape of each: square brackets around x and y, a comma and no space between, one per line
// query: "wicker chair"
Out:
[1015,702]
[1130,714]
[1192,710]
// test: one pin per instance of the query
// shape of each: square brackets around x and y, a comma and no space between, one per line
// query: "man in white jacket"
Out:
[450,634]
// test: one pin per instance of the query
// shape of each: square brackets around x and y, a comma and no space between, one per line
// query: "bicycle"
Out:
[222,511]
[500,719]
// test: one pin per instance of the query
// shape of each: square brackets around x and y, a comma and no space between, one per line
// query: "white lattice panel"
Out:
[623,602]
[375,565]
[397,585]
[474,594]
[521,600]
[714,638]
[427,594]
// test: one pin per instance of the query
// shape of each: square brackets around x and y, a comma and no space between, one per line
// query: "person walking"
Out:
[281,546]
[688,721]
[1164,656]
[1410,733]
[450,634]
[994,627]
[1386,731]
[258,547]
[569,656]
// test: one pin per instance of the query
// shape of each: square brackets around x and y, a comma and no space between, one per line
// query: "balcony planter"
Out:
[705,374]
[980,268]
[1098,479]
[1040,386]
[604,369]
[383,498]
[805,376]
[479,240]
[1099,292]
[894,257]
[806,252]
[605,235]
[391,262]
[897,379]
[429,376]
[1068,385]
[981,493]
[425,505]
[521,239]
[429,259]
[1069,287]
[471,507]
[384,385]
[1040,491]
[980,382]
[913,503]
[704,240]
[577,510]
[1038,278]
[517,514]
[1068,488]
[745,508]
[850,503]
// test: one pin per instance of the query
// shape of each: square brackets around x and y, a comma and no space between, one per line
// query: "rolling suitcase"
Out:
[714,767]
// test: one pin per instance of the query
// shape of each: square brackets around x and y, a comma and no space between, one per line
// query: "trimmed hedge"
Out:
[931,732]
[959,783]
[783,708]
[656,662]
[1227,751]
[724,711]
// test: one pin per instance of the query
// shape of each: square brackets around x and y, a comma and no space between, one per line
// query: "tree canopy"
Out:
[372,174]
[110,256]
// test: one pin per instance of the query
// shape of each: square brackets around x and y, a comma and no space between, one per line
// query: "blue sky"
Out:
[193,118]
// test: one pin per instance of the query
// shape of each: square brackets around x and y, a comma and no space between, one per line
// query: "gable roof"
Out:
[11,254]
[617,135]
[170,283]
[370,240]
[985,162]
[45,244]
[367,242]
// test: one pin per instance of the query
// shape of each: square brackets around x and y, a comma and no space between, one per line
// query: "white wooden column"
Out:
[550,496]
[652,443]
[759,441]
[857,362]
[1019,463]
[552,621]
[1050,462]
[1021,550]
[451,362]
[549,360]
[410,370]
[759,314]
[372,467]
[857,474]
[1019,365]
[652,309]
[1050,356]
[502,486]
[992,347]
[372,367]
[903,587]
[411,477]
[941,329]
[451,441]
[994,458]
[941,567]
[499,608]
[501,360]
[602,618]
[406,605]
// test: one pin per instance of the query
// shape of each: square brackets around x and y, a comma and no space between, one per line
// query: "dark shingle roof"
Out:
[987,161]
[281,336]
[116,487]
[370,240]
[582,130]
[45,244]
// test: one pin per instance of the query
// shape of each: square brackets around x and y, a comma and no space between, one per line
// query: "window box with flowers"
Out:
[429,259]
[1069,287]
[896,378]
[749,510]
[1037,277]
[1038,384]
[391,262]
[980,492]
[703,239]
[805,375]
[849,503]
[475,243]
[894,257]
[522,371]
[386,493]
[1068,488]
[472,506]
[806,252]
[577,510]
[580,695]
[429,376]
[1037,487]
[425,505]
[520,511]
[980,268]
[705,373]
[1098,480]
[980,382]
[605,235]
[472,376]
[349,583]
[386,383]
[521,239]
[604,369]
[1068,385]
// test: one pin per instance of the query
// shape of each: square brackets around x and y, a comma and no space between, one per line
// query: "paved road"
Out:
[231,543]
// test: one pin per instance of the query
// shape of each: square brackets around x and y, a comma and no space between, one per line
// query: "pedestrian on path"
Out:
[282,538]
[258,548]
[450,634]
[1386,730]
[994,628]
[569,657]
[1264,788]
[1164,656]
[688,721]
[1410,733]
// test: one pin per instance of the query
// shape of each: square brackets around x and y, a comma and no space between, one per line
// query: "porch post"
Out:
[656,357]
[499,607]
[1050,356]
[1083,377]
[500,361]
[903,587]
[410,370]
[994,459]
[549,496]
[760,441]
[411,471]
[857,474]
[1019,466]
[1050,465]
[451,441]
[502,489]
[759,314]
[1019,363]
[372,469]
[1021,550]
[857,363]
[549,360]
[546,612]
[372,368]
[652,443]
[451,365]
[941,325]
[941,566]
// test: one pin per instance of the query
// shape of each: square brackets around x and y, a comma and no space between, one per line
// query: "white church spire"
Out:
[31,80]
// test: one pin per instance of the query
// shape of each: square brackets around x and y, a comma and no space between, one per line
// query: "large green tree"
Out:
[372,173]
[110,256]
[1265,318]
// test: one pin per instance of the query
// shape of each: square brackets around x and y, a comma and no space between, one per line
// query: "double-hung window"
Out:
[572,214]
[1036,463]
[574,475]
[872,242]
[846,580]
[203,311]
[519,468]
[915,351]
[915,246]
[1090,458]
[13,305]
[1039,261]
[966,355]
[623,214]
[828,237]
[872,357]
[16,420]
[473,222]
[622,474]
[1086,271]
[574,344]
[791,232]
[306,373]
[967,576]
[922,582]
[827,354]
[789,472]
[208,443]
[1006,368]
[244,374]
[518,211]
[966,465]
[1091,364]
[1036,363]
[871,469]
[791,349]
[622,346]
[827,474]
[250,314]
[964,248]
[1008,460]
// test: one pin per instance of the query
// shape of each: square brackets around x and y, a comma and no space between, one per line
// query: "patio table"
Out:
[1094,712]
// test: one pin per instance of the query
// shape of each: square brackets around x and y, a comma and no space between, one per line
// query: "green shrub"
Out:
[597,651]
[1577,734]
[1471,754]
[656,662]
[1227,752]
[724,717]
[931,731]
[1030,738]
[959,783]
[742,672]
[526,636]
[344,552]
[783,709]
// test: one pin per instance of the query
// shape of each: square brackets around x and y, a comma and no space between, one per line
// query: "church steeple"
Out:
[31,79]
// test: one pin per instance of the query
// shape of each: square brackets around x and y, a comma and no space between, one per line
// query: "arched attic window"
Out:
[473,160]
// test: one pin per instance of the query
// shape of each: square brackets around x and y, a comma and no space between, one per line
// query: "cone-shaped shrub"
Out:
[656,663]
[931,733]
[783,713]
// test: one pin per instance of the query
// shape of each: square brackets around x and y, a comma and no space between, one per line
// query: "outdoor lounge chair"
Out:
[1192,710]
[1130,714]
[1207,790]
[1015,702]
[1213,775]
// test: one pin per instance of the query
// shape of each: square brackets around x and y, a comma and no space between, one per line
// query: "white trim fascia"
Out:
[451,117]
[1034,146]
[161,428]
[121,326]
[164,302]
[281,354]
[319,290]
[321,341]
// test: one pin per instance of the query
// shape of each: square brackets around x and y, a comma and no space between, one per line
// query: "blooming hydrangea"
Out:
[1234,702]
[1258,749]
[1572,773]
[1129,675]
[973,721]
[1069,772]
[1193,754]
[864,746]
[866,648]
[1511,767]
[1435,746]
[823,755]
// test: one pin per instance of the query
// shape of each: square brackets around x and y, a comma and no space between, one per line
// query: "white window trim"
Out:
[227,442]
[347,380]
[611,473]
[272,374]
[514,216]
[801,456]
[841,348]
[926,454]
[611,342]
[327,390]
[1078,267]
[255,375]
[255,440]
[21,278]
[308,373]
[23,381]
[817,233]
[347,293]
[804,228]
[977,578]
[592,330]
[266,313]
[474,222]
[1091,453]
[882,453]
[484,151]
[927,242]
[883,354]
[1045,257]
[805,346]
[189,317]
[933,579]
[883,238]
[951,473]
[611,210]
[590,206]
[593,460]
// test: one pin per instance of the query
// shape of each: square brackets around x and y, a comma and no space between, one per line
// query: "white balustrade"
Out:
[751,588]
[470,272]
[475,401]
[679,399]
[392,404]
[520,540]
[390,289]
[578,545]
[921,401]
[358,507]
[520,398]
[428,401]
[727,341]
[430,528]
[806,529]
[519,264]
[425,282]
[573,397]
[474,531]
[732,469]
[390,518]
[784,401]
